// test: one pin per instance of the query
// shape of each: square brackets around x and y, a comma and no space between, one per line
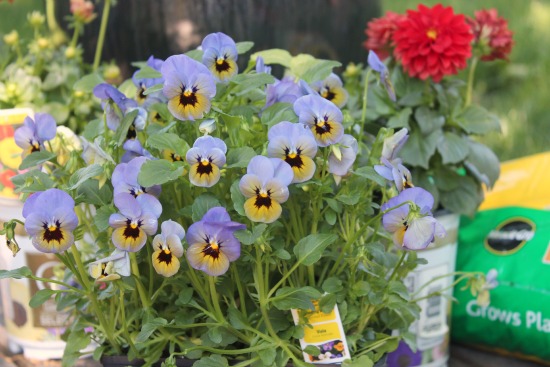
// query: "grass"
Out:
[517,91]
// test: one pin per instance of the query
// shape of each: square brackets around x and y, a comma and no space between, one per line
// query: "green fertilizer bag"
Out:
[509,239]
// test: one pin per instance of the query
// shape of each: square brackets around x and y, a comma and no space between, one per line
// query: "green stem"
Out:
[365,95]
[242,299]
[470,86]
[94,302]
[74,40]
[141,289]
[50,15]
[396,270]
[102,31]
[124,323]
[215,298]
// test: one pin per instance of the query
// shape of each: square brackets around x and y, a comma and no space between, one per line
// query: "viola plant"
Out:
[267,198]
[416,56]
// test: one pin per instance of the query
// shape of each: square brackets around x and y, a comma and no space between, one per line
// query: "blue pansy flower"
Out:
[125,179]
[377,65]
[114,103]
[31,136]
[322,117]
[206,157]
[143,83]
[220,56]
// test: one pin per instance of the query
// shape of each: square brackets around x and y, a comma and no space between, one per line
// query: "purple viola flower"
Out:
[265,186]
[323,118]
[125,179]
[261,67]
[114,103]
[392,168]
[410,221]
[134,149]
[143,83]
[295,144]
[189,87]
[168,248]
[138,218]
[332,89]
[111,268]
[31,136]
[50,220]
[212,245]
[285,90]
[404,356]
[206,157]
[220,56]
[377,65]
[341,164]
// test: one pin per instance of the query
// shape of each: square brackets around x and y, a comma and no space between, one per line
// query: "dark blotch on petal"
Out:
[223,66]
[55,235]
[262,201]
[165,257]
[213,252]
[130,232]
[204,169]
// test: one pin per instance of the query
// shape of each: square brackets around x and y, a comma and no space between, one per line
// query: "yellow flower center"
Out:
[432,34]
[52,228]
[264,194]
[166,251]
[187,93]
[292,155]
[214,246]
[134,225]
[320,123]
[220,61]
[205,162]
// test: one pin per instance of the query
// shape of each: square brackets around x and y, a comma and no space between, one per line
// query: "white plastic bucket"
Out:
[433,325]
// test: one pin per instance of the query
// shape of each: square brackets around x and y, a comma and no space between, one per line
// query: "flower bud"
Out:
[207,126]
[12,38]
[70,52]
[43,43]
[83,10]
[351,70]
[111,73]
[36,19]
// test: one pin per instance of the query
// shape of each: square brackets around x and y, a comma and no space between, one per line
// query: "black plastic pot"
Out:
[122,361]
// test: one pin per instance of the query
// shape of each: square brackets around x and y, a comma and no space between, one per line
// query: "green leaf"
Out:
[157,172]
[348,199]
[311,69]
[332,285]
[312,350]
[428,120]
[236,318]
[76,341]
[214,360]
[122,131]
[59,111]
[369,173]
[237,198]
[202,204]
[465,199]
[147,72]
[299,298]
[32,181]
[88,82]
[89,192]
[327,303]
[400,289]
[418,149]
[101,217]
[363,361]
[36,158]
[215,335]
[247,82]
[477,120]
[361,288]
[330,217]
[274,56]
[93,129]
[168,141]
[243,47]
[278,112]
[485,162]
[248,238]
[240,157]
[267,355]
[41,296]
[310,249]
[149,328]
[401,119]
[128,88]
[19,273]
[84,174]
[152,89]
[185,296]
[195,54]
[453,148]
[98,352]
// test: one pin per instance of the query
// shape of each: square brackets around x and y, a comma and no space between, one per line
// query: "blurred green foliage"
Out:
[517,91]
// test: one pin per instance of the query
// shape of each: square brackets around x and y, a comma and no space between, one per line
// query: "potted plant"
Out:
[423,50]
[224,215]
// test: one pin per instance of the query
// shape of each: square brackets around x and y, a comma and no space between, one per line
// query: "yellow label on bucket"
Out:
[10,153]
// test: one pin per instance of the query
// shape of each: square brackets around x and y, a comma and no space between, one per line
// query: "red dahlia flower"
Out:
[379,34]
[491,34]
[432,42]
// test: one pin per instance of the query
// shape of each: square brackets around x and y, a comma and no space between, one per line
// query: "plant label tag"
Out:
[324,331]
